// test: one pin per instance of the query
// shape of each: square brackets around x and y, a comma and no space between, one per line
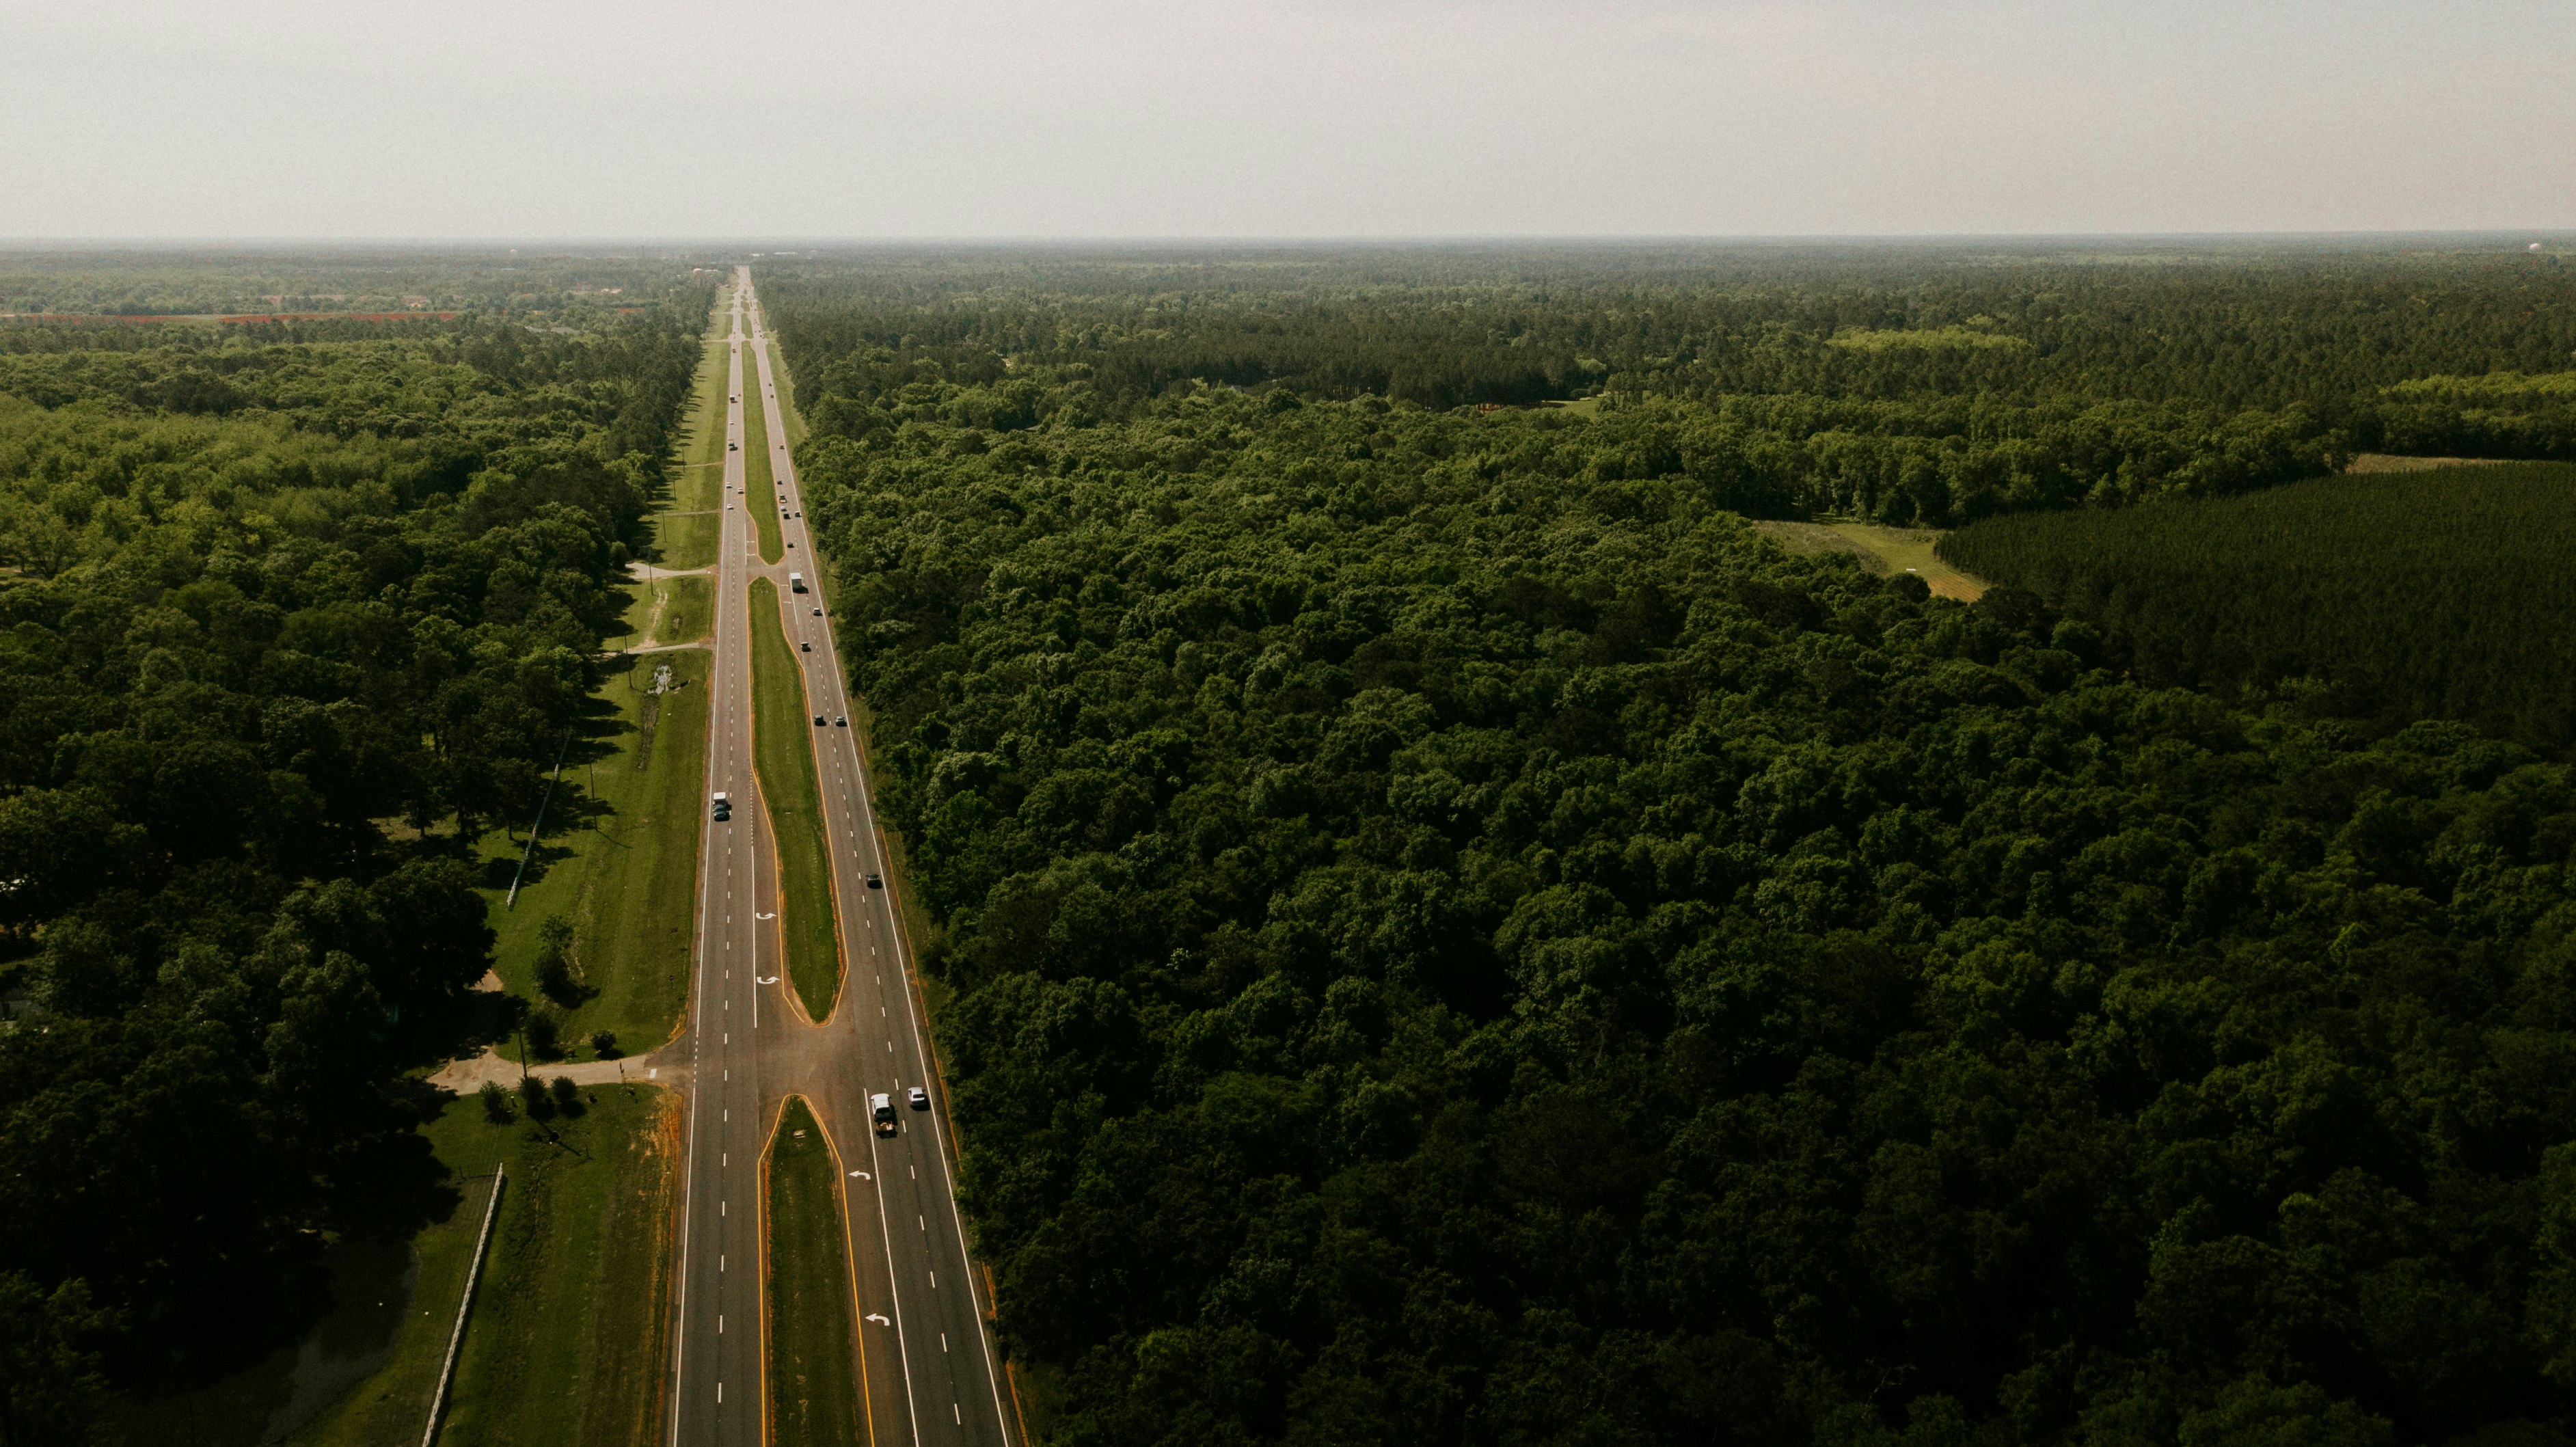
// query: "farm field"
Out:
[813,1366]
[2421,593]
[783,755]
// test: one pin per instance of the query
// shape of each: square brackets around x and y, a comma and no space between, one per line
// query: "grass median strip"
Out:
[760,483]
[783,752]
[813,1365]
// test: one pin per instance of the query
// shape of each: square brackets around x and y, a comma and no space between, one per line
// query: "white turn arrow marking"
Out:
[862,1175]
[881,1321]
[766,979]
[764,916]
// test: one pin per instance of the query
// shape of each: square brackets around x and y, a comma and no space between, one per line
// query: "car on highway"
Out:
[875,883]
[804,647]
[818,720]
[840,721]
[733,447]
[818,612]
[723,807]
[881,1110]
[919,1098]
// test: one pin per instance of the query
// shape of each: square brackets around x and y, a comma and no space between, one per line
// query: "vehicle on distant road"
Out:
[919,1097]
[840,721]
[818,720]
[881,1109]
[796,584]
[723,807]
[875,883]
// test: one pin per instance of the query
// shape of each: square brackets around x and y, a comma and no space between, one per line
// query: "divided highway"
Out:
[927,1364]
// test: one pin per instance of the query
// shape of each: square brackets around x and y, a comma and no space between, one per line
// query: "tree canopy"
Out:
[274,606]
[1449,936]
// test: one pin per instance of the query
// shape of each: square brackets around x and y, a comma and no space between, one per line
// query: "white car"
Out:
[881,1110]
[919,1098]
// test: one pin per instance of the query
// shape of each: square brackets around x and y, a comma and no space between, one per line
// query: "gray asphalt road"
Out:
[926,1355]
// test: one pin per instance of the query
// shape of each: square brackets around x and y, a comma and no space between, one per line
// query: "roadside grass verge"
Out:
[813,1367]
[760,483]
[685,530]
[783,752]
[683,610]
[565,1344]
[617,861]
[566,1339]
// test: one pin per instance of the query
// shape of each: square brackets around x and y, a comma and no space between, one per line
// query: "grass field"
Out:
[760,483]
[813,1367]
[784,754]
[565,1343]
[619,859]
[1882,549]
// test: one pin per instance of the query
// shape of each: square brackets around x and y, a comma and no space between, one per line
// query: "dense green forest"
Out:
[155,281]
[1908,384]
[1448,936]
[274,601]
[2397,596]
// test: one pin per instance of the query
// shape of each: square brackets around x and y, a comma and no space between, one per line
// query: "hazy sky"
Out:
[948,118]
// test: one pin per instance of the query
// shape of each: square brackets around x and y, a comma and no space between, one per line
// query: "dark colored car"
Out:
[840,721]
[818,720]
[875,883]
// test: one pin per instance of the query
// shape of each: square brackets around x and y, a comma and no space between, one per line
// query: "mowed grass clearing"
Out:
[1882,549]
[813,1364]
[783,753]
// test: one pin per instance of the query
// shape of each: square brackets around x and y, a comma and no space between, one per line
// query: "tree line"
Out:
[1921,385]
[250,656]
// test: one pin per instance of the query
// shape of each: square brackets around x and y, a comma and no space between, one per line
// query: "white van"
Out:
[796,582]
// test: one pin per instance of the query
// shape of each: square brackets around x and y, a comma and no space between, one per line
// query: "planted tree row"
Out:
[2397,596]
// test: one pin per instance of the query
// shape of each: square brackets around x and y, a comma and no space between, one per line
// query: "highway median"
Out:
[783,753]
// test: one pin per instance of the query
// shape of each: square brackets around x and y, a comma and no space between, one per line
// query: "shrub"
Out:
[532,1093]
[566,1094]
[496,1102]
[603,1043]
